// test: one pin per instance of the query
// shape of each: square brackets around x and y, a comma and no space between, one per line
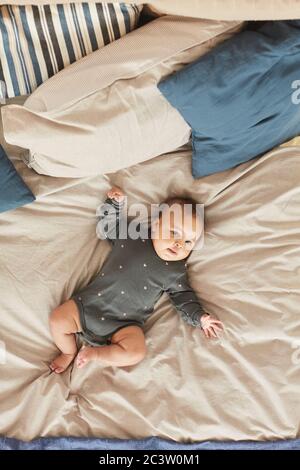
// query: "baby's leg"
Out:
[64,323]
[126,349]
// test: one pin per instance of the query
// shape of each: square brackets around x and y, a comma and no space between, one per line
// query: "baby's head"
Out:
[177,229]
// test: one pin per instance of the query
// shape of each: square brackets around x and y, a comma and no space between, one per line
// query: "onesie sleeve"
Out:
[185,300]
[110,217]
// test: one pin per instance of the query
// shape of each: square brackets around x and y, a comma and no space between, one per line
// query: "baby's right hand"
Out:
[116,194]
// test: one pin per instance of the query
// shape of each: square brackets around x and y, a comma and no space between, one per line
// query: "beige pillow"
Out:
[240,10]
[229,9]
[105,112]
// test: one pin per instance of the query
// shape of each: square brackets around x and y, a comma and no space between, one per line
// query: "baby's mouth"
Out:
[172,251]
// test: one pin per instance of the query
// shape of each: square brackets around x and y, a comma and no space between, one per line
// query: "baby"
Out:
[110,312]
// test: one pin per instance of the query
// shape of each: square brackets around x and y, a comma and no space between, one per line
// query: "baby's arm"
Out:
[109,214]
[187,303]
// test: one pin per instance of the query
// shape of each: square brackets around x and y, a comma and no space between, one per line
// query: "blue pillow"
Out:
[13,191]
[238,98]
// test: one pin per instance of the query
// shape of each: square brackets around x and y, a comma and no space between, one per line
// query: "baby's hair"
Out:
[182,201]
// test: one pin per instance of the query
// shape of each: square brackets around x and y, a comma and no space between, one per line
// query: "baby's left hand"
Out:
[212,328]
[116,193]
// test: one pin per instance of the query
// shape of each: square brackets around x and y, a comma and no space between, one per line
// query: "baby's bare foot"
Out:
[61,362]
[86,355]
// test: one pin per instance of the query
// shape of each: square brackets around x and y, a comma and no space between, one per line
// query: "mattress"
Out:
[244,386]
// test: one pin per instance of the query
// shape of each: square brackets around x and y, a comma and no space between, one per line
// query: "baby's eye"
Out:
[188,242]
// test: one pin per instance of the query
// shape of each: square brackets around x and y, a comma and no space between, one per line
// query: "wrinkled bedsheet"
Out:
[244,386]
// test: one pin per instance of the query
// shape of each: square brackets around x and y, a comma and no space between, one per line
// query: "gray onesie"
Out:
[130,283]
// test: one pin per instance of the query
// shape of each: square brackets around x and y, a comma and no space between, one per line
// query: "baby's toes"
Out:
[81,363]
[54,367]
[84,356]
[81,359]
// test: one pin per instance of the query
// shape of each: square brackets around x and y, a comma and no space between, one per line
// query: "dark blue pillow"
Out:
[13,191]
[238,98]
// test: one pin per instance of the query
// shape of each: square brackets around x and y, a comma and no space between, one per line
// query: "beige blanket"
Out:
[246,386]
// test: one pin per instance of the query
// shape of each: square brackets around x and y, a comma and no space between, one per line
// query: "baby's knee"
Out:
[56,319]
[65,318]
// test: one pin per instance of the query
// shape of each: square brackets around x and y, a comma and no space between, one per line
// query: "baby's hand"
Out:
[116,193]
[211,327]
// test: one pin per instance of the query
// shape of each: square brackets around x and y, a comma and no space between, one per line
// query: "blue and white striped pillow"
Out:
[38,41]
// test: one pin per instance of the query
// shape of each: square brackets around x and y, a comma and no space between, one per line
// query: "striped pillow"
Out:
[38,41]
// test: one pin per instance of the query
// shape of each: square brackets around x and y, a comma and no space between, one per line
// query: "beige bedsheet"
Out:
[245,386]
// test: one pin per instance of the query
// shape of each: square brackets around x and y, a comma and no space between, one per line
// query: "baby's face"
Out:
[175,234]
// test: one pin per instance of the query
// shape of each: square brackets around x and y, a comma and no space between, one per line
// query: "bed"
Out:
[244,387]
